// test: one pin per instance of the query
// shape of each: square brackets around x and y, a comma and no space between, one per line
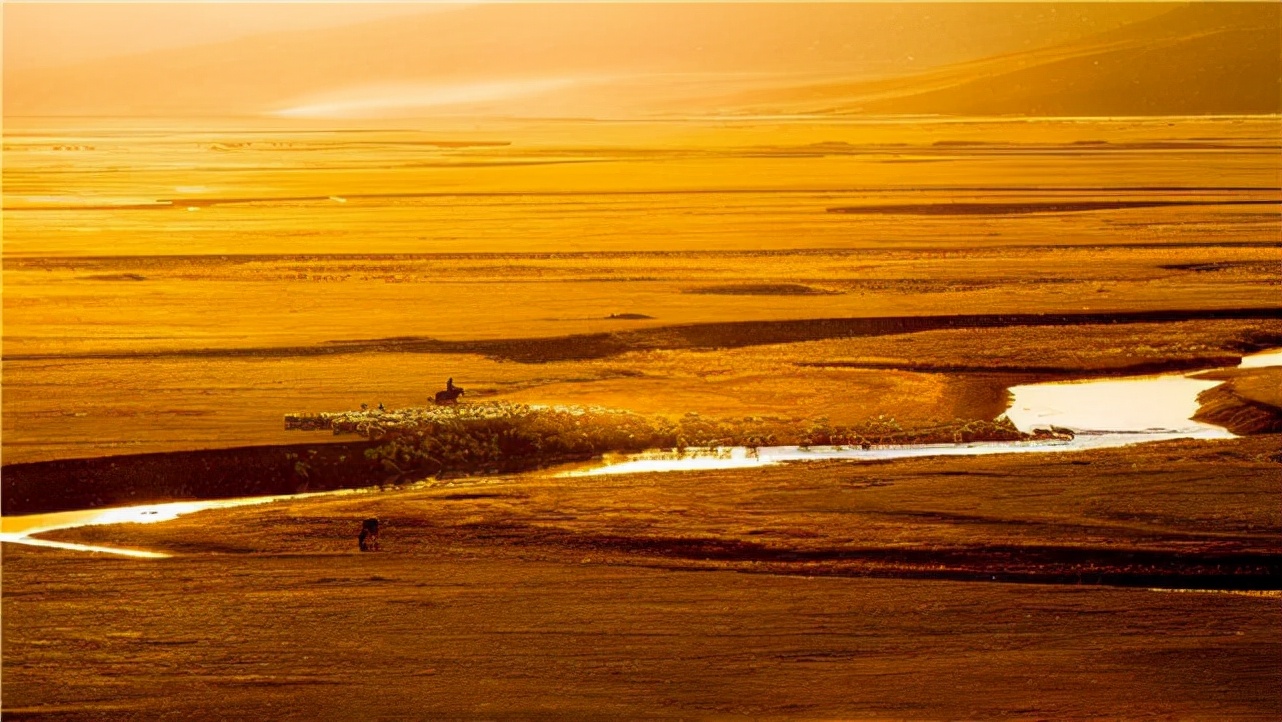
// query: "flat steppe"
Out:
[178,289]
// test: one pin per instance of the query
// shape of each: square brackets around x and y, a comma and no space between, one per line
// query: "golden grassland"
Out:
[559,186]
[781,592]
[462,635]
[177,288]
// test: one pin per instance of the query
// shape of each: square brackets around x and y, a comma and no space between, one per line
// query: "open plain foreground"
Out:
[1075,585]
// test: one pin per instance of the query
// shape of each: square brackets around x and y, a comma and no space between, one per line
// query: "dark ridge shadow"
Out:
[1012,209]
[732,334]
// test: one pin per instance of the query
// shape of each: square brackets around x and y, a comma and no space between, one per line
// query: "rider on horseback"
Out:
[450,395]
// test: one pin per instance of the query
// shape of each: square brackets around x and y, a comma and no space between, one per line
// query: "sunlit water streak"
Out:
[1151,405]
[1262,359]
[19,529]
[738,457]
[1103,414]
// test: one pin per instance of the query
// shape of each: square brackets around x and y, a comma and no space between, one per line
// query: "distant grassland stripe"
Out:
[205,202]
[733,334]
[79,262]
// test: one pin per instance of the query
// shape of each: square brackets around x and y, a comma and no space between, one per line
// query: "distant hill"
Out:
[640,60]
[1200,59]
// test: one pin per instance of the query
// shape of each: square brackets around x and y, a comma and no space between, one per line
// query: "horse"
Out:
[369,535]
[448,397]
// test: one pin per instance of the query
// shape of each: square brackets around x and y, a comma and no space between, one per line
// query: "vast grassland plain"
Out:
[175,287]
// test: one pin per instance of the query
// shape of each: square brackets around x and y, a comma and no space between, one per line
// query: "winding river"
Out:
[1103,414]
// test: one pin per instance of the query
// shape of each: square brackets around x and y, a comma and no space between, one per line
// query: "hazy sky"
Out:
[48,34]
[590,59]
[53,33]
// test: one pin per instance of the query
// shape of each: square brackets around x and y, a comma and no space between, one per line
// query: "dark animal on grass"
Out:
[369,535]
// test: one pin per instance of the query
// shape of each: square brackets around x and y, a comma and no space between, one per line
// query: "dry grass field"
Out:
[663,269]
[793,217]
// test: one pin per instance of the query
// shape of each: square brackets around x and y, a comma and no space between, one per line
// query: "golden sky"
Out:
[359,60]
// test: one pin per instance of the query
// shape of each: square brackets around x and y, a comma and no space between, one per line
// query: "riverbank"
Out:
[51,486]
[1086,517]
[1248,402]
[414,444]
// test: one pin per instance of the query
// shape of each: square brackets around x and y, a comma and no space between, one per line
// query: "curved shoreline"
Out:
[1224,406]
